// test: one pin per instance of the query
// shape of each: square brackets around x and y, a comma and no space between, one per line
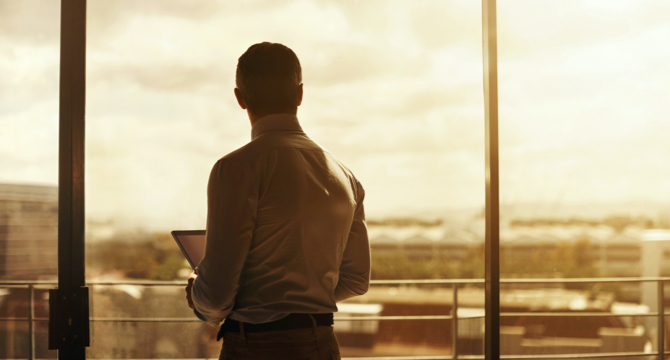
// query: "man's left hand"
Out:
[189,286]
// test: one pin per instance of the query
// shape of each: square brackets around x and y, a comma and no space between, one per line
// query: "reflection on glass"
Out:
[583,172]
[393,89]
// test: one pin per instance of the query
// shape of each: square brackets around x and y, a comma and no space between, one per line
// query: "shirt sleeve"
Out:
[354,278]
[232,197]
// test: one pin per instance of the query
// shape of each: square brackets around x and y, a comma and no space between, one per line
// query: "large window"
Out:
[387,90]
[28,173]
[583,171]
[393,89]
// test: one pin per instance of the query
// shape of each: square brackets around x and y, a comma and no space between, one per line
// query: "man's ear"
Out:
[299,96]
[240,99]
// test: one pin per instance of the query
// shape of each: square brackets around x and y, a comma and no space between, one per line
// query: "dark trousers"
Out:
[315,343]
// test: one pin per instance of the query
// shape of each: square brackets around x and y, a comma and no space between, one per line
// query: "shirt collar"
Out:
[281,122]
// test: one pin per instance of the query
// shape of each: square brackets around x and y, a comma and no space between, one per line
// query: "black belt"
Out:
[292,321]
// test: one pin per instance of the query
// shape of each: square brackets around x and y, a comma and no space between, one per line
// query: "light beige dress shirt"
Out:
[286,230]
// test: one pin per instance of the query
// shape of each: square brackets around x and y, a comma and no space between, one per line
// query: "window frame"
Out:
[492,207]
[71,221]
[68,304]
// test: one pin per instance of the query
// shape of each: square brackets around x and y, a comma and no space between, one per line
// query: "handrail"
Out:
[372,282]
[456,283]
[369,318]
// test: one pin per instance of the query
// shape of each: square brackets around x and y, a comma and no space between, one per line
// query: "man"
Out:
[286,234]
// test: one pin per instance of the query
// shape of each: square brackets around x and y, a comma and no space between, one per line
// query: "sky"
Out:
[392,88]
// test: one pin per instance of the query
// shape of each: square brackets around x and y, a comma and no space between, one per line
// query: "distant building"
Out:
[28,231]
[655,256]
[617,252]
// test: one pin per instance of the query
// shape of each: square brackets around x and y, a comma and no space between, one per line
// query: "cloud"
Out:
[29,144]
[393,88]
[107,19]
[177,77]
[611,89]
[430,24]
[526,26]
[445,24]
[29,75]
[30,21]
[333,63]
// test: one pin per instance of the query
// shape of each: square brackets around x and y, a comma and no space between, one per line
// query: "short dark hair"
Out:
[268,78]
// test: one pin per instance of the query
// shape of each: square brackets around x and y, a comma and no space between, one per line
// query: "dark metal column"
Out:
[31,322]
[68,315]
[454,324]
[660,335]
[492,241]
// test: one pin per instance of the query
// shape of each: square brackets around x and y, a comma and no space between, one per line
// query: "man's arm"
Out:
[355,267]
[232,195]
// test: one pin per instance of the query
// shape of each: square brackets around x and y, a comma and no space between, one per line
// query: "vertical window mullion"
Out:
[68,305]
[492,240]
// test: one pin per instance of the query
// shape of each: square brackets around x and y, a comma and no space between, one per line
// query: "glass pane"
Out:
[392,88]
[583,171]
[29,65]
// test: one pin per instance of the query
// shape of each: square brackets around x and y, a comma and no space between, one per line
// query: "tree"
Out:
[138,255]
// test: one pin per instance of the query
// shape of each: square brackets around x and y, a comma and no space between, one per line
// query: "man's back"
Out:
[301,208]
[286,236]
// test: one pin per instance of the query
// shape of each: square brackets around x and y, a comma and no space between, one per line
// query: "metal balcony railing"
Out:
[454,283]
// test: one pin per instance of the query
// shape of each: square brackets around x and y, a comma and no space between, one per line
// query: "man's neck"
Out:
[253,117]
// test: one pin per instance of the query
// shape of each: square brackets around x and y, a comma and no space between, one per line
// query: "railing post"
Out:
[454,325]
[660,338]
[31,323]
